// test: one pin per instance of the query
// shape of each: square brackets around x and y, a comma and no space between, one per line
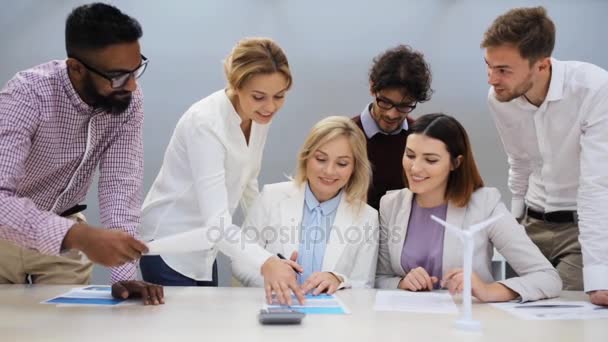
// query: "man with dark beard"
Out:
[552,117]
[59,122]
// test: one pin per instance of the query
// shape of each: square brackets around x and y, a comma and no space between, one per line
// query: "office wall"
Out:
[330,45]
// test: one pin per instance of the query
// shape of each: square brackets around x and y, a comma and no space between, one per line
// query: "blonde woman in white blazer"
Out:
[211,165]
[333,171]
[417,254]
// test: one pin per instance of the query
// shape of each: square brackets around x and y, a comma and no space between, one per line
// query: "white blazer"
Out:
[274,222]
[207,170]
[537,278]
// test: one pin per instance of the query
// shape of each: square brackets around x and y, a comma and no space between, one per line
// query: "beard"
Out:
[114,103]
[384,122]
[519,90]
[389,125]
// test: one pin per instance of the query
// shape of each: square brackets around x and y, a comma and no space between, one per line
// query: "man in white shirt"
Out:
[552,117]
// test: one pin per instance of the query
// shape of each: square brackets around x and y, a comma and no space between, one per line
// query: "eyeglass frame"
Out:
[114,79]
[391,104]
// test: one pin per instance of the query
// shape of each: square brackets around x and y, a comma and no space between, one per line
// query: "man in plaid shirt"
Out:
[59,122]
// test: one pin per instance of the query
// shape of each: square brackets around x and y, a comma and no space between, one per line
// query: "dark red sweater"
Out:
[385,152]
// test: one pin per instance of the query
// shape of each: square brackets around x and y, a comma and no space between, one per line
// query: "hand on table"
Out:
[453,280]
[417,279]
[322,282]
[280,278]
[151,294]
[599,297]
[485,292]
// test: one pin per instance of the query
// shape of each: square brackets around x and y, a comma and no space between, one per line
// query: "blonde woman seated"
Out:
[320,219]
[417,254]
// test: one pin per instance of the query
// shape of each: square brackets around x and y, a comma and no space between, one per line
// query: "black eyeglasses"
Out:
[119,80]
[402,107]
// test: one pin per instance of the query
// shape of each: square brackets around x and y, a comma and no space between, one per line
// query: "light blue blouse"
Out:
[317,221]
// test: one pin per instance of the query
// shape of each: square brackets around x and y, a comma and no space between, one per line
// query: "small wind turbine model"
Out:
[466,322]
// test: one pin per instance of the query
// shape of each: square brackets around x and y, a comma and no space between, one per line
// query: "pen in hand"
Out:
[283,258]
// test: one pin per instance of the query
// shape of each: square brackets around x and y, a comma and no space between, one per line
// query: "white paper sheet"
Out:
[404,301]
[554,310]
[190,241]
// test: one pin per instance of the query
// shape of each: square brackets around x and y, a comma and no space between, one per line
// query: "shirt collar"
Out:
[556,86]
[327,207]
[370,127]
[233,116]
[76,100]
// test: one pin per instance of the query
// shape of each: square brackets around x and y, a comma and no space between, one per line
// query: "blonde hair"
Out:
[252,56]
[331,128]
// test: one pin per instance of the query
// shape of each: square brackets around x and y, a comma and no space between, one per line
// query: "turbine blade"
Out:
[484,224]
[450,227]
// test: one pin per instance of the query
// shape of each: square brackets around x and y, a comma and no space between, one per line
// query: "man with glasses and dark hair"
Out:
[399,79]
[59,122]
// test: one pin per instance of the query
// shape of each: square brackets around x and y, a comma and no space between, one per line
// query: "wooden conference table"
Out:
[230,314]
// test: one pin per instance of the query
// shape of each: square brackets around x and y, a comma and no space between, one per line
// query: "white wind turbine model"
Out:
[466,322]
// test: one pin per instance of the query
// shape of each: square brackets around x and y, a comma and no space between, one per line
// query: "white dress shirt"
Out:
[558,156]
[207,170]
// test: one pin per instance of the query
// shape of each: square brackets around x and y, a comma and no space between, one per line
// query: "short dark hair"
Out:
[402,68]
[465,178]
[527,28]
[95,26]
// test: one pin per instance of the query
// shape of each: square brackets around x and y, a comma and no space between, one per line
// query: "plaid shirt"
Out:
[51,143]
